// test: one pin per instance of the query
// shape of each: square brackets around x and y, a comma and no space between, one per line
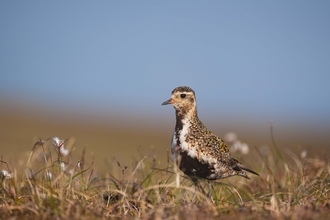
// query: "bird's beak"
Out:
[170,101]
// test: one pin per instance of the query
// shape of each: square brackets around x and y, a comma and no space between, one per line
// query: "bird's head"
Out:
[183,100]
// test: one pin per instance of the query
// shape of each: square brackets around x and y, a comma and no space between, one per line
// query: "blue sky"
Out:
[247,58]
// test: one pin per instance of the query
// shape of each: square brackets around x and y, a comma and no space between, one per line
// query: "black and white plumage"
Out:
[198,152]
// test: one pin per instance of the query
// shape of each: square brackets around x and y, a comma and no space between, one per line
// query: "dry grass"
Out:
[47,185]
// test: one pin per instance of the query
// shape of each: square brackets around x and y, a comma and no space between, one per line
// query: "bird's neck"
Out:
[183,118]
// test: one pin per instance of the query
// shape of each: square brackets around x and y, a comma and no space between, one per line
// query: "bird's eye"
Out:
[183,96]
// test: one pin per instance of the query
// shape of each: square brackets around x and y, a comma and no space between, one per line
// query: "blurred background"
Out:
[97,73]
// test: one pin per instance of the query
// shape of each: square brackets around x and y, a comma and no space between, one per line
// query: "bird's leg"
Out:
[211,191]
[177,163]
[198,187]
[177,176]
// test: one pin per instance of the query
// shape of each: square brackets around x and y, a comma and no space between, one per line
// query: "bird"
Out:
[199,153]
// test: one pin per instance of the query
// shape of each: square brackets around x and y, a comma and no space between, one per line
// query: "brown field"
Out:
[127,173]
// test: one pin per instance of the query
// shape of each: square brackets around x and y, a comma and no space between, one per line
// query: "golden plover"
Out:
[198,152]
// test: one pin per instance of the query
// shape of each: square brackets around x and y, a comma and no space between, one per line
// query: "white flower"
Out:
[5,175]
[49,175]
[64,152]
[43,195]
[239,146]
[63,167]
[235,146]
[244,148]
[59,144]
[230,137]
[303,154]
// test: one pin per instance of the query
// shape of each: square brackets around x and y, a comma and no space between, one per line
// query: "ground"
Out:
[41,183]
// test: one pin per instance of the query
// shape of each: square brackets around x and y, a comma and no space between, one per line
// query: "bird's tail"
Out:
[237,166]
[247,169]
